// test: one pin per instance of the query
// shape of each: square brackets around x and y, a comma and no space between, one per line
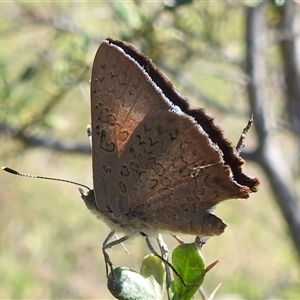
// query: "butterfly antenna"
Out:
[14,172]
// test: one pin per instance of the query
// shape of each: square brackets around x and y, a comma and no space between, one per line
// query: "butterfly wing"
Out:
[121,97]
[172,174]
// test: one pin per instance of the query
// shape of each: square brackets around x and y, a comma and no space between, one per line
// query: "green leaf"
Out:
[189,262]
[153,269]
[130,285]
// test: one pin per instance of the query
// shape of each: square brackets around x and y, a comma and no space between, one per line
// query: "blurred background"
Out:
[233,58]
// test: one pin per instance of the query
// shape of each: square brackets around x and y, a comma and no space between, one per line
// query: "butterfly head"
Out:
[89,199]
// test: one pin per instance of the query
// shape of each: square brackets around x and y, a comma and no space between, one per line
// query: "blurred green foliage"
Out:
[50,245]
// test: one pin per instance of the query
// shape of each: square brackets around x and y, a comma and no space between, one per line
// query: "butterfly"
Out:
[159,165]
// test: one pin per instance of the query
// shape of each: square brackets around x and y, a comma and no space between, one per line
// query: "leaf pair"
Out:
[149,284]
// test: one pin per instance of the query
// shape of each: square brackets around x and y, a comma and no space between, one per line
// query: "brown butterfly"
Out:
[158,164]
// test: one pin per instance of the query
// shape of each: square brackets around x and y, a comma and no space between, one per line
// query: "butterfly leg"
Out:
[106,245]
[125,249]
[106,256]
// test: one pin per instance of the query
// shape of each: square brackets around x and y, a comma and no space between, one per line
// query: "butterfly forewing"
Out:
[121,97]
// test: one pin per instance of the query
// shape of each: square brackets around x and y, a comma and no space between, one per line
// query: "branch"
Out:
[268,155]
[31,140]
[290,57]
